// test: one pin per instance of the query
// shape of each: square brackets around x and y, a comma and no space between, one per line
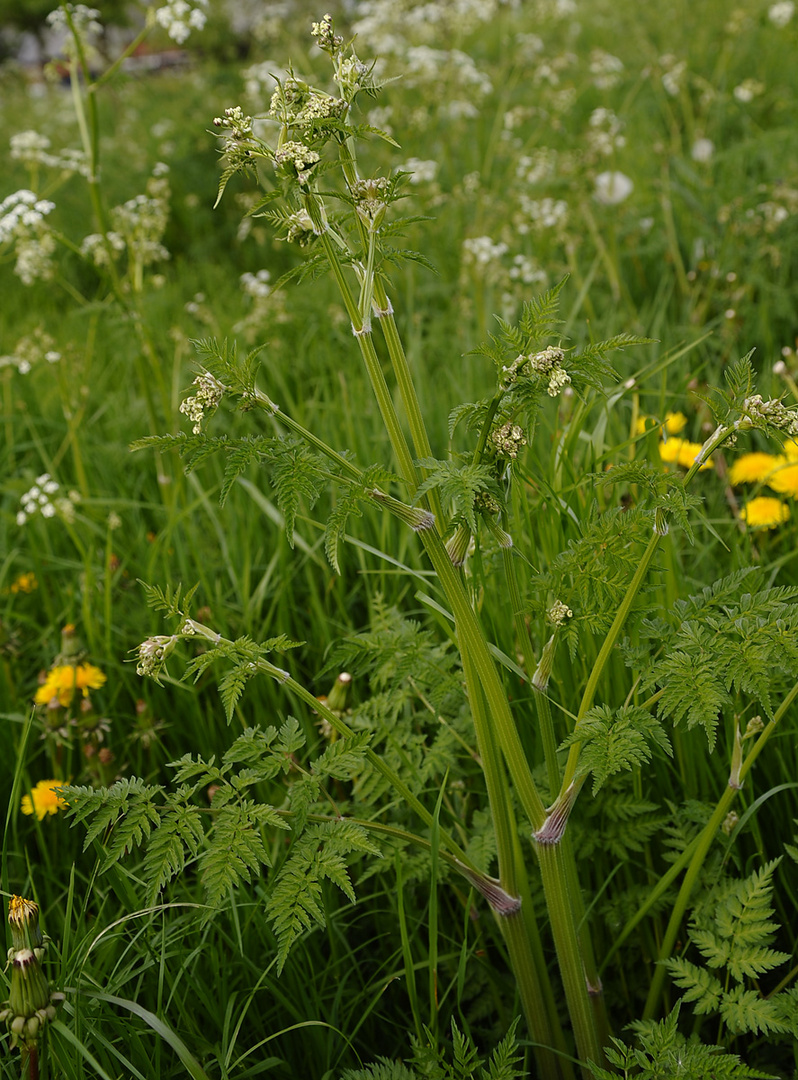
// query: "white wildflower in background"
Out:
[22,223]
[542,214]
[38,499]
[33,149]
[256,285]
[612,188]
[421,171]
[85,21]
[604,134]
[179,18]
[31,350]
[22,214]
[702,151]
[780,14]
[527,271]
[482,251]
[673,73]
[748,90]
[605,68]
[99,248]
[536,167]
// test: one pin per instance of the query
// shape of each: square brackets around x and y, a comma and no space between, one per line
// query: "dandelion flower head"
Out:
[784,477]
[63,680]
[752,468]
[765,513]
[43,800]
[682,452]
[674,423]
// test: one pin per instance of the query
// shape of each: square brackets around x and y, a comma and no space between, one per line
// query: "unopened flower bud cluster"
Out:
[179,18]
[30,1006]
[209,393]
[300,228]
[369,196]
[326,39]
[239,124]
[558,613]
[296,160]
[547,363]
[773,412]
[508,439]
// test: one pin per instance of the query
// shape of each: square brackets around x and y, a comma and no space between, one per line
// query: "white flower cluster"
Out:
[748,90]
[537,167]
[32,149]
[85,20]
[421,171]
[424,65]
[22,222]
[153,654]
[256,285]
[605,68]
[37,499]
[673,74]
[780,14]
[29,350]
[22,215]
[140,223]
[99,247]
[527,271]
[179,18]
[604,135]
[387,25]
[209,393]
[541,214]
[482,251]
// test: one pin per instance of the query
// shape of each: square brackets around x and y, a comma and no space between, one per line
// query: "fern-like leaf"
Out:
[235,850]
[618,740]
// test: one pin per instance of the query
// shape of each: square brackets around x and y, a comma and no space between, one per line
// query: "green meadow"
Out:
[399,541]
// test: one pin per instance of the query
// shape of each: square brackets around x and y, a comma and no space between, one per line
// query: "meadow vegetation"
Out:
[399,542]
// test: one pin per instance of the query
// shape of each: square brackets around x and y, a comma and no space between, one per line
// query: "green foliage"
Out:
[295,904]
[725,643]
[664,1053]
[461,1062]
[733,930]
[616,740]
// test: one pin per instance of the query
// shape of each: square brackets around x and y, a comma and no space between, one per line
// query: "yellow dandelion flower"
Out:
[765,513]
[688,452]
[791,449]
[669,450]
[62,682]
[784,477]
[43,800]
[752,468]
[675,422]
